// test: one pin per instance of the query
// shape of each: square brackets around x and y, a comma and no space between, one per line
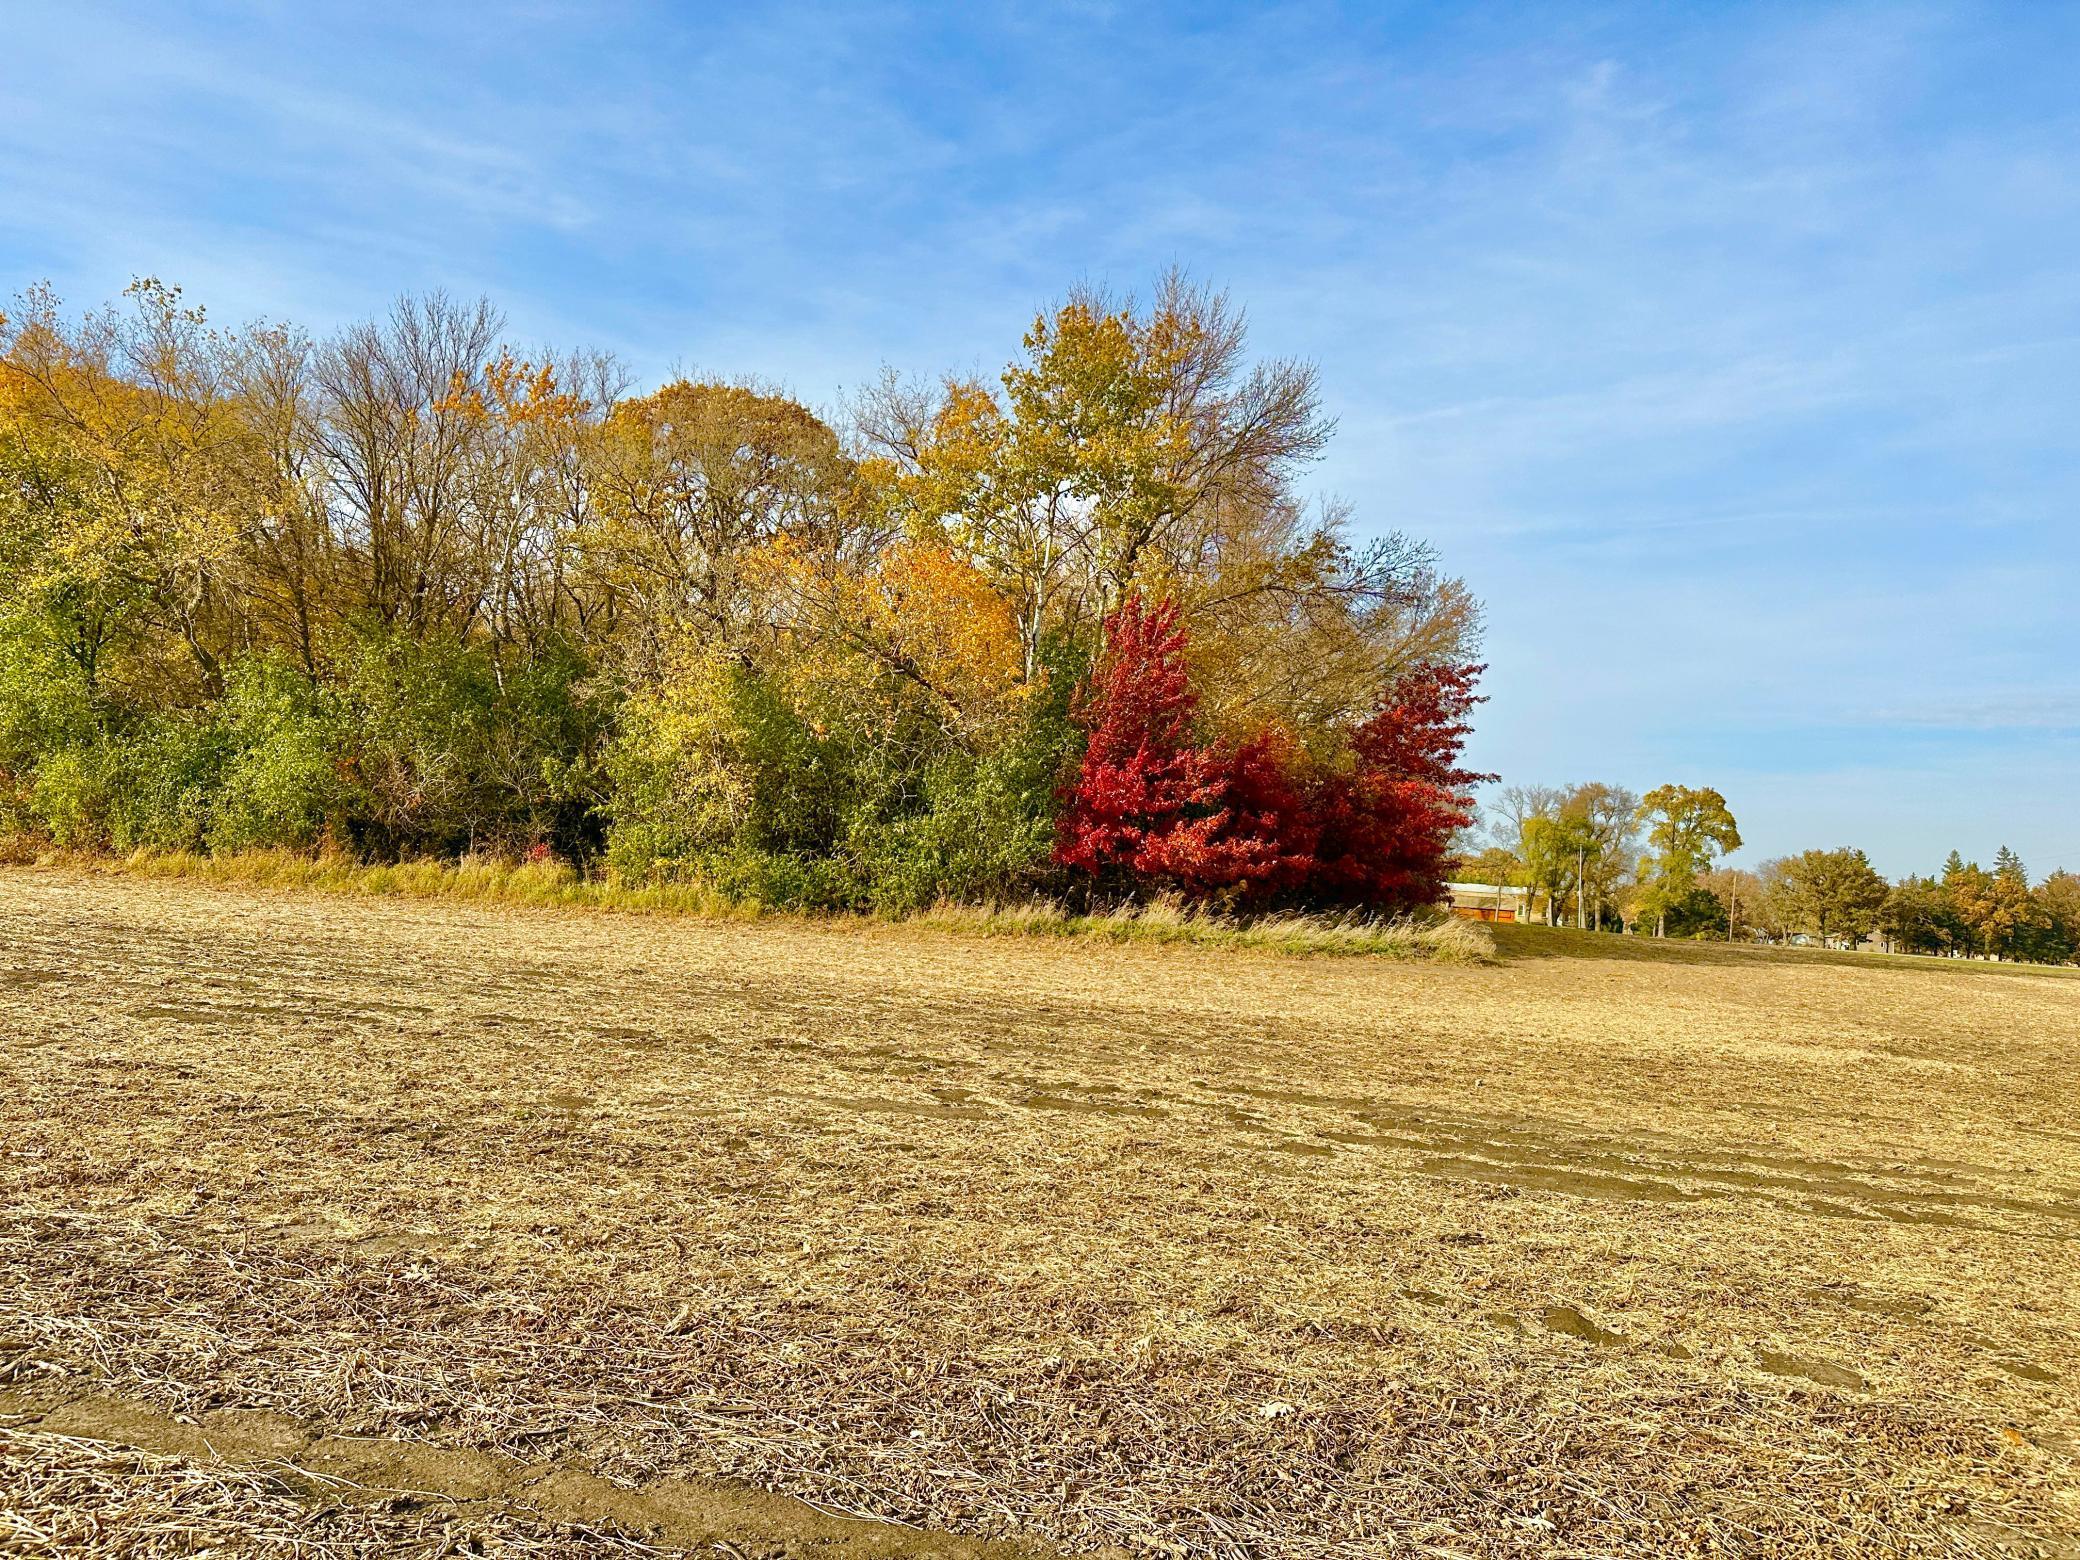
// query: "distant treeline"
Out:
[408,591]
[1578,851]
[1966,910]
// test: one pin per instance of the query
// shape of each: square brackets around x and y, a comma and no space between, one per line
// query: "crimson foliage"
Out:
[1387,822]
[1260,823]
[1144,796]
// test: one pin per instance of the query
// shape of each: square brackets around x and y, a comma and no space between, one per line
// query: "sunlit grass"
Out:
[556,884]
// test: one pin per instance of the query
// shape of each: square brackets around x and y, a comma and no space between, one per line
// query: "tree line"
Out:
[1599,856]
[1964,911]
[411,590]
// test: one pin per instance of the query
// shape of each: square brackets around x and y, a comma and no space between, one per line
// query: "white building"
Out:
[1488,901]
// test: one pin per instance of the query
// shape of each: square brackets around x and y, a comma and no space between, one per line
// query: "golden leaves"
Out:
[939,612]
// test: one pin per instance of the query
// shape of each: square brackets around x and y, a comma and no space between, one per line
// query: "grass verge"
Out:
[1438,939]
[1528,940]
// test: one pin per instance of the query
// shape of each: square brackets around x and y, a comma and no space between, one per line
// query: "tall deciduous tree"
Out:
[1523,821]
[1836,895]
[690,485]
[1547,848]
[1138,449]
[1601,822]
[127,496]
[1687,829]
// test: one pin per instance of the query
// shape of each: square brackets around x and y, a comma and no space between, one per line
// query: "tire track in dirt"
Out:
[681,1515]
[1541,1157]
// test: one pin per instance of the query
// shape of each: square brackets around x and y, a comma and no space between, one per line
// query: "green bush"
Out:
[720,777]
[284,783]
[717,765]
[541,767]
[69,797]
[447,752]
[163,773]
[405,748]
[779,880]
[44,709]
[985,827]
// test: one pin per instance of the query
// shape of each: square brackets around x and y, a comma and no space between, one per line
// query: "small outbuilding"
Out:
[1488,901]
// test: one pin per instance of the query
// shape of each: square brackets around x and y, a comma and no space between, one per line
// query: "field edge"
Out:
[1426,939]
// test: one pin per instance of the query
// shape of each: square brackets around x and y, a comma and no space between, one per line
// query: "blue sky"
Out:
[1731,354]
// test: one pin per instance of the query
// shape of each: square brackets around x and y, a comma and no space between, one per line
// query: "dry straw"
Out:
[556,884]
[1098,1244]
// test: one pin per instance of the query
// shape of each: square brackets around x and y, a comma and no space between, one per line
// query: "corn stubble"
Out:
[431,1224]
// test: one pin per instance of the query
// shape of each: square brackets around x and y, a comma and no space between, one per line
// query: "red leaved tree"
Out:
[1254,823]
[1149,807]
[1143,792]
[1261,850]
[1387,823]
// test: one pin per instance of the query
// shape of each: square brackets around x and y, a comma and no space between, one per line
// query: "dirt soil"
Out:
[335,1227]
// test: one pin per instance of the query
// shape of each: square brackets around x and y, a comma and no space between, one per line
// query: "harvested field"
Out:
[340,1227]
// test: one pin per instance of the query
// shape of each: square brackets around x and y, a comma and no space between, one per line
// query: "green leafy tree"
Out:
[1687,829]
[1548,853]
[1517,821]
[1601,823]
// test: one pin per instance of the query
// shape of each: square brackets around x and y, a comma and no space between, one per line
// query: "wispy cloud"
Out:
[2056,713]
[1727,351]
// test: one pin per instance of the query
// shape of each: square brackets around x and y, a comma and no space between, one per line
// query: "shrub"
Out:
[284,784]
[969,826]
[162,774]
[445,751]
[977,833]
[69,796]
[45,708]
[717,761]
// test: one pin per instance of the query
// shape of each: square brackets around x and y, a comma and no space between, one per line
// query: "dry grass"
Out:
[1102,1244]
[558,886]
[1438,939]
